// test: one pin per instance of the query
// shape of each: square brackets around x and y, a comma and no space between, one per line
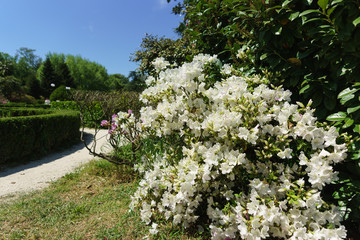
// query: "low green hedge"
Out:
[24,111]
[19,104]
[25,138]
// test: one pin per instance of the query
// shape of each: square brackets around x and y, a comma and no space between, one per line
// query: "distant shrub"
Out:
[22,98]
[61,93]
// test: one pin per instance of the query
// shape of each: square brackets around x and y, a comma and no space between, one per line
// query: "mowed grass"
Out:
[91,203]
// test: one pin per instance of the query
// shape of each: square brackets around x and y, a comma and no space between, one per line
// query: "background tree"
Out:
[27,63]
[137,82]
[65,76]
[48,77]
[152,47]
[117,81]
[33,87]
[6,64]
[87,75]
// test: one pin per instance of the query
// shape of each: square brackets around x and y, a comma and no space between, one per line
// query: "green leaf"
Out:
[346,92]
[356,21]
[353,109]
[262,57]
[357,128]
[323,3]
[304,89]
[346,98]
[286,3]
[339,116]
[312,20]
[348,122]
[293,16]
[308,12]
[336,2]
[330,11]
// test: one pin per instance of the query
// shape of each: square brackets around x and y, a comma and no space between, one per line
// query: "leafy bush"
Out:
[22,98]
[61,93]
[246,162]
[9,85]
[64,105]
[311,47]
[347,189]
[23,138]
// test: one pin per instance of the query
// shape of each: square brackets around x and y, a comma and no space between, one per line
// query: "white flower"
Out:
[229,133]
[153,229]
[285,154]
[160,63]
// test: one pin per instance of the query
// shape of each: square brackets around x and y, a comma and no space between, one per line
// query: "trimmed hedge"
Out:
[17,104]
[24,138]
[16,112]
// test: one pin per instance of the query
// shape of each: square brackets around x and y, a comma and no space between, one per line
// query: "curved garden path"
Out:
[38,174]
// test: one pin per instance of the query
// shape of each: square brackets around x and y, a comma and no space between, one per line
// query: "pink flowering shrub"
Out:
[246,163]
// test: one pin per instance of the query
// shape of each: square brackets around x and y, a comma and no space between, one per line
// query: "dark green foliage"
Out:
[61,93]
[33,86]
[313,47]
[347,191]
[23,138]
[48,78]
[65,76]
[9,85]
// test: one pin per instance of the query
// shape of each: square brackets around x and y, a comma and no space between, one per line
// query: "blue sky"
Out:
[103,31]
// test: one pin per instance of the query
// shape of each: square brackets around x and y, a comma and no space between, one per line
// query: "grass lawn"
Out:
[91,203]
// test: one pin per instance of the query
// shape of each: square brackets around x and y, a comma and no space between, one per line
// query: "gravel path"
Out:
[38,174]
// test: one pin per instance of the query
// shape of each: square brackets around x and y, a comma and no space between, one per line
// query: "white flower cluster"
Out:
[160,64]
[252,164]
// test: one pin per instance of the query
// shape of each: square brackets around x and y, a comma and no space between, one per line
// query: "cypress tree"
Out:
[48,77]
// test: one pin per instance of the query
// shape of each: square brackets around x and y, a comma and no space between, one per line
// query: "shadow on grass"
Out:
[11,168]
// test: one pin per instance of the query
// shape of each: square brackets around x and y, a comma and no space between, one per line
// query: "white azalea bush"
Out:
[245,162]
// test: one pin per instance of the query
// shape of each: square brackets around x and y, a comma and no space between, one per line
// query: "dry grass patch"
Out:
[91,203]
